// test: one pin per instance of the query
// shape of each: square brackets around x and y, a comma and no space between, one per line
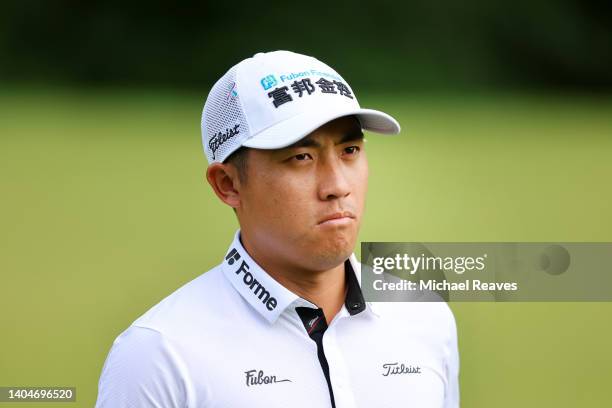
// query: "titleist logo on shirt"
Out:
[249,280]
[397,368]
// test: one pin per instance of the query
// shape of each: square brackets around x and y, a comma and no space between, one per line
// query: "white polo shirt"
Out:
[235,337]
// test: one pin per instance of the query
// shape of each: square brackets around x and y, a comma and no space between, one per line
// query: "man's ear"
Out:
[223,178]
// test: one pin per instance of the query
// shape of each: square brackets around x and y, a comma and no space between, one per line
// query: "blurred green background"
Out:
[506,112]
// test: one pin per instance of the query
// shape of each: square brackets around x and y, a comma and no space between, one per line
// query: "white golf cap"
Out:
[274,99]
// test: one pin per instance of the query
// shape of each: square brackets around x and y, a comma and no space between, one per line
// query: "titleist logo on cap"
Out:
[221,137]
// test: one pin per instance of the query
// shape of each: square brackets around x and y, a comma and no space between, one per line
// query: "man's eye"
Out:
[352,150]
[302,156]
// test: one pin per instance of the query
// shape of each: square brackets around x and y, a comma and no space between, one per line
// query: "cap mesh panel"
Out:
[222,112]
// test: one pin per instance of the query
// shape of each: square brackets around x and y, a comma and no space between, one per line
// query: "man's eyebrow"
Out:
[305,142]
[351,136]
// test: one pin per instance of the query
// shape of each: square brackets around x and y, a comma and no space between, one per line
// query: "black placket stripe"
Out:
[315,324]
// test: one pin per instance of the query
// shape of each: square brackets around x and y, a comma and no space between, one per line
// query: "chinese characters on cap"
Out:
[281,95]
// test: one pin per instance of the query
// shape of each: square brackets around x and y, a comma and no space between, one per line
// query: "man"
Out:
[282,321]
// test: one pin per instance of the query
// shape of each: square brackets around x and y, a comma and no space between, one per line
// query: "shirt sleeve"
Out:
[142,370]
[451,398]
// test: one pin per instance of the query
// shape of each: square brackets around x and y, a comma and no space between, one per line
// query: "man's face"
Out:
[303,204]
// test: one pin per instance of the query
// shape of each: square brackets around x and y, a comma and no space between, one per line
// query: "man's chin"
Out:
[333,248]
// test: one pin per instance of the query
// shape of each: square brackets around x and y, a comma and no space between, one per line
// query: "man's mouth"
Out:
[337,218]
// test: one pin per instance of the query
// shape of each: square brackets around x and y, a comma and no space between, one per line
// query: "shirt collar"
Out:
[356,267]
[268,297]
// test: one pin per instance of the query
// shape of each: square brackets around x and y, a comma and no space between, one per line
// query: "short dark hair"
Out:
[239,159]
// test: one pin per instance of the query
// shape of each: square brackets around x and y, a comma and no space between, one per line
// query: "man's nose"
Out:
[333,181]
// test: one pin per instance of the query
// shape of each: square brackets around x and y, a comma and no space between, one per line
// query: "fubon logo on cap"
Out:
[268,82]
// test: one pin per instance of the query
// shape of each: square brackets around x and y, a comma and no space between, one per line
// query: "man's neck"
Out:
[326,289]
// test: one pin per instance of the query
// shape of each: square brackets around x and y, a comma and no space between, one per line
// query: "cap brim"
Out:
[291,130]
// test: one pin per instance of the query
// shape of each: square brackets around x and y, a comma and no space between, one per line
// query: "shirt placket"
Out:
[339,373]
